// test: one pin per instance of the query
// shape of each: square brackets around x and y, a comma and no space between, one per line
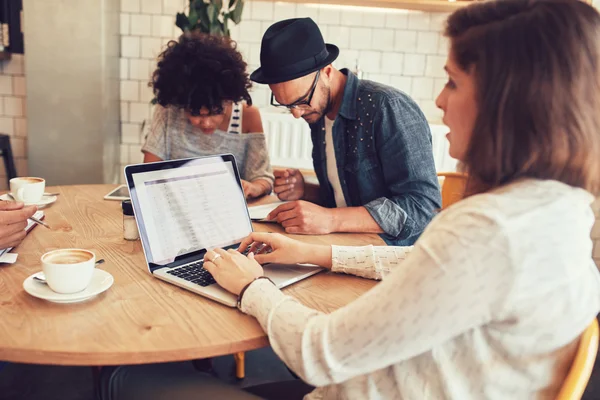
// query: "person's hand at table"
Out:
[304,217]
[289,184]
[255,189]
[13,221]
[232,270]
[275,248]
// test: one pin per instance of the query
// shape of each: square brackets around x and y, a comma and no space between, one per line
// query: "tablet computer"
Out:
[120,193]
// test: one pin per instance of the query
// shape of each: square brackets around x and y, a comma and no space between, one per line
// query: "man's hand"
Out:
[289,184]
[304,217]
[13,221]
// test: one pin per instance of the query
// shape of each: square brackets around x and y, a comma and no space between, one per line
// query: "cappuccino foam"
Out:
[30,180]
[68,257]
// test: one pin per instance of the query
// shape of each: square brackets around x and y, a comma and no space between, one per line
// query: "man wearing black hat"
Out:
[371,143]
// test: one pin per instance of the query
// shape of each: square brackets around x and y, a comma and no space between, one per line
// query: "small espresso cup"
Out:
[27,189]
[68,270]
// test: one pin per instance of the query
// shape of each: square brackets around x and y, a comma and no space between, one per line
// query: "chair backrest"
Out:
[579,374]
[453,187]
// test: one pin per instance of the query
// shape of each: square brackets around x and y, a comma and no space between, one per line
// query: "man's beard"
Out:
[316,115]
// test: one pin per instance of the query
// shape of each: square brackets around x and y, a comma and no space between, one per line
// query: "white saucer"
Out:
[101,281]
[44,201]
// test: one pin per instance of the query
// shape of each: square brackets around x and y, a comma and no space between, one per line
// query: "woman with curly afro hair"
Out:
[204,108]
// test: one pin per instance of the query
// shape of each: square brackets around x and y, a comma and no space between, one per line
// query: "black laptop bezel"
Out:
[130,170]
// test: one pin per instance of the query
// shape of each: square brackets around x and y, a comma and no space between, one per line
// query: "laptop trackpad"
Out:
[286,274]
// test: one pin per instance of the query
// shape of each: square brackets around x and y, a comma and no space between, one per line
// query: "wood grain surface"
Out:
[140,319]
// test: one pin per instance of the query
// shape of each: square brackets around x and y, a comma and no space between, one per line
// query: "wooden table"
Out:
[140,319]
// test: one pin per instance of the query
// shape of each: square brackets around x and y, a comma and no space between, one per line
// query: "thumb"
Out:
[11,205]
[264,258]
[30,210]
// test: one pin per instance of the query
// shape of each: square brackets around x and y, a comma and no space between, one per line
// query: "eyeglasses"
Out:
[303,104]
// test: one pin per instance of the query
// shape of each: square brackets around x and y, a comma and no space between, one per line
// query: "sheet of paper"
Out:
[8,258]
[259,213]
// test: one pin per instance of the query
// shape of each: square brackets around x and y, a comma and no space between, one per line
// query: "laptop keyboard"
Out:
[194,273]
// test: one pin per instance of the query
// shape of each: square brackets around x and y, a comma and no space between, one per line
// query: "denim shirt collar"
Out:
[348,108]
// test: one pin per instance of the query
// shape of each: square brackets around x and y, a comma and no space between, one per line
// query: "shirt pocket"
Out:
[362,178]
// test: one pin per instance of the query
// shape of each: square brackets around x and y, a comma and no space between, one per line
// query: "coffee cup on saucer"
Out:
[68,270]
[27,189]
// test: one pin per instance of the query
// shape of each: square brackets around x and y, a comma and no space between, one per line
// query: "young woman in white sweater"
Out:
[491,301]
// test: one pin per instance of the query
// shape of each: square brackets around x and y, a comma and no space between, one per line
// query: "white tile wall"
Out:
[130,90]
[152,6]
[141,25]
[130,46]
[405,41]
[13,112]
[6,84]
[396,47]
[7,126]
[130,6]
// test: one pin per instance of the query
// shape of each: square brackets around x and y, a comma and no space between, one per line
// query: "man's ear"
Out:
[327,72]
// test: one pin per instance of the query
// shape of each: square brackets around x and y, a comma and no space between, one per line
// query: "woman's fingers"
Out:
[265,258]
[250,239]
[210,267]
[263,249]
[222,253]
[258,237]
[254,247]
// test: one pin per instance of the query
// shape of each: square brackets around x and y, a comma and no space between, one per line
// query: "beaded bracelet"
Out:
[239,299]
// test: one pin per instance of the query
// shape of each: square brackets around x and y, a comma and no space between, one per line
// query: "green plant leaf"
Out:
[182,22]
[193,18]
[236,14]
[205,16]
[204,21]
[198,4]
[213,13]
[216,29]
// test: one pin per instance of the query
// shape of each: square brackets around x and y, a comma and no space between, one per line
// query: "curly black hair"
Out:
[200,70]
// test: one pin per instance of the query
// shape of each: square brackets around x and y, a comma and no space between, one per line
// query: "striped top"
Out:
[173,137]
[235,121]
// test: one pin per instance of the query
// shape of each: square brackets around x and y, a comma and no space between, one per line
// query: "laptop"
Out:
[185,207]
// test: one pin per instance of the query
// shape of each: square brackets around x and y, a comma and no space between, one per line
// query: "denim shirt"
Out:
[384,159]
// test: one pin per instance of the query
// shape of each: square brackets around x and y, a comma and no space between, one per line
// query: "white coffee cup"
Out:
[27,189]
[68,270]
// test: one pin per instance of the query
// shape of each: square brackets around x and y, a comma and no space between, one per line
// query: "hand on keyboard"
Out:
[194,273]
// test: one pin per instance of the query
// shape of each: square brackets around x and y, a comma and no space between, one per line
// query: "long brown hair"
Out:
[536,65]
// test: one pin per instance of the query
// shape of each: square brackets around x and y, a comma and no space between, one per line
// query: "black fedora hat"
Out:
[292,48]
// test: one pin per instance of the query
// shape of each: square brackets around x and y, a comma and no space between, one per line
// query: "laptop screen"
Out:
[188,206]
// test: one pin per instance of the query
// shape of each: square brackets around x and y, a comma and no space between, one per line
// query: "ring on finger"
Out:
[215,258]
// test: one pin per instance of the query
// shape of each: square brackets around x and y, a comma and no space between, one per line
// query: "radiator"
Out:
[288,140]
[290,146]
